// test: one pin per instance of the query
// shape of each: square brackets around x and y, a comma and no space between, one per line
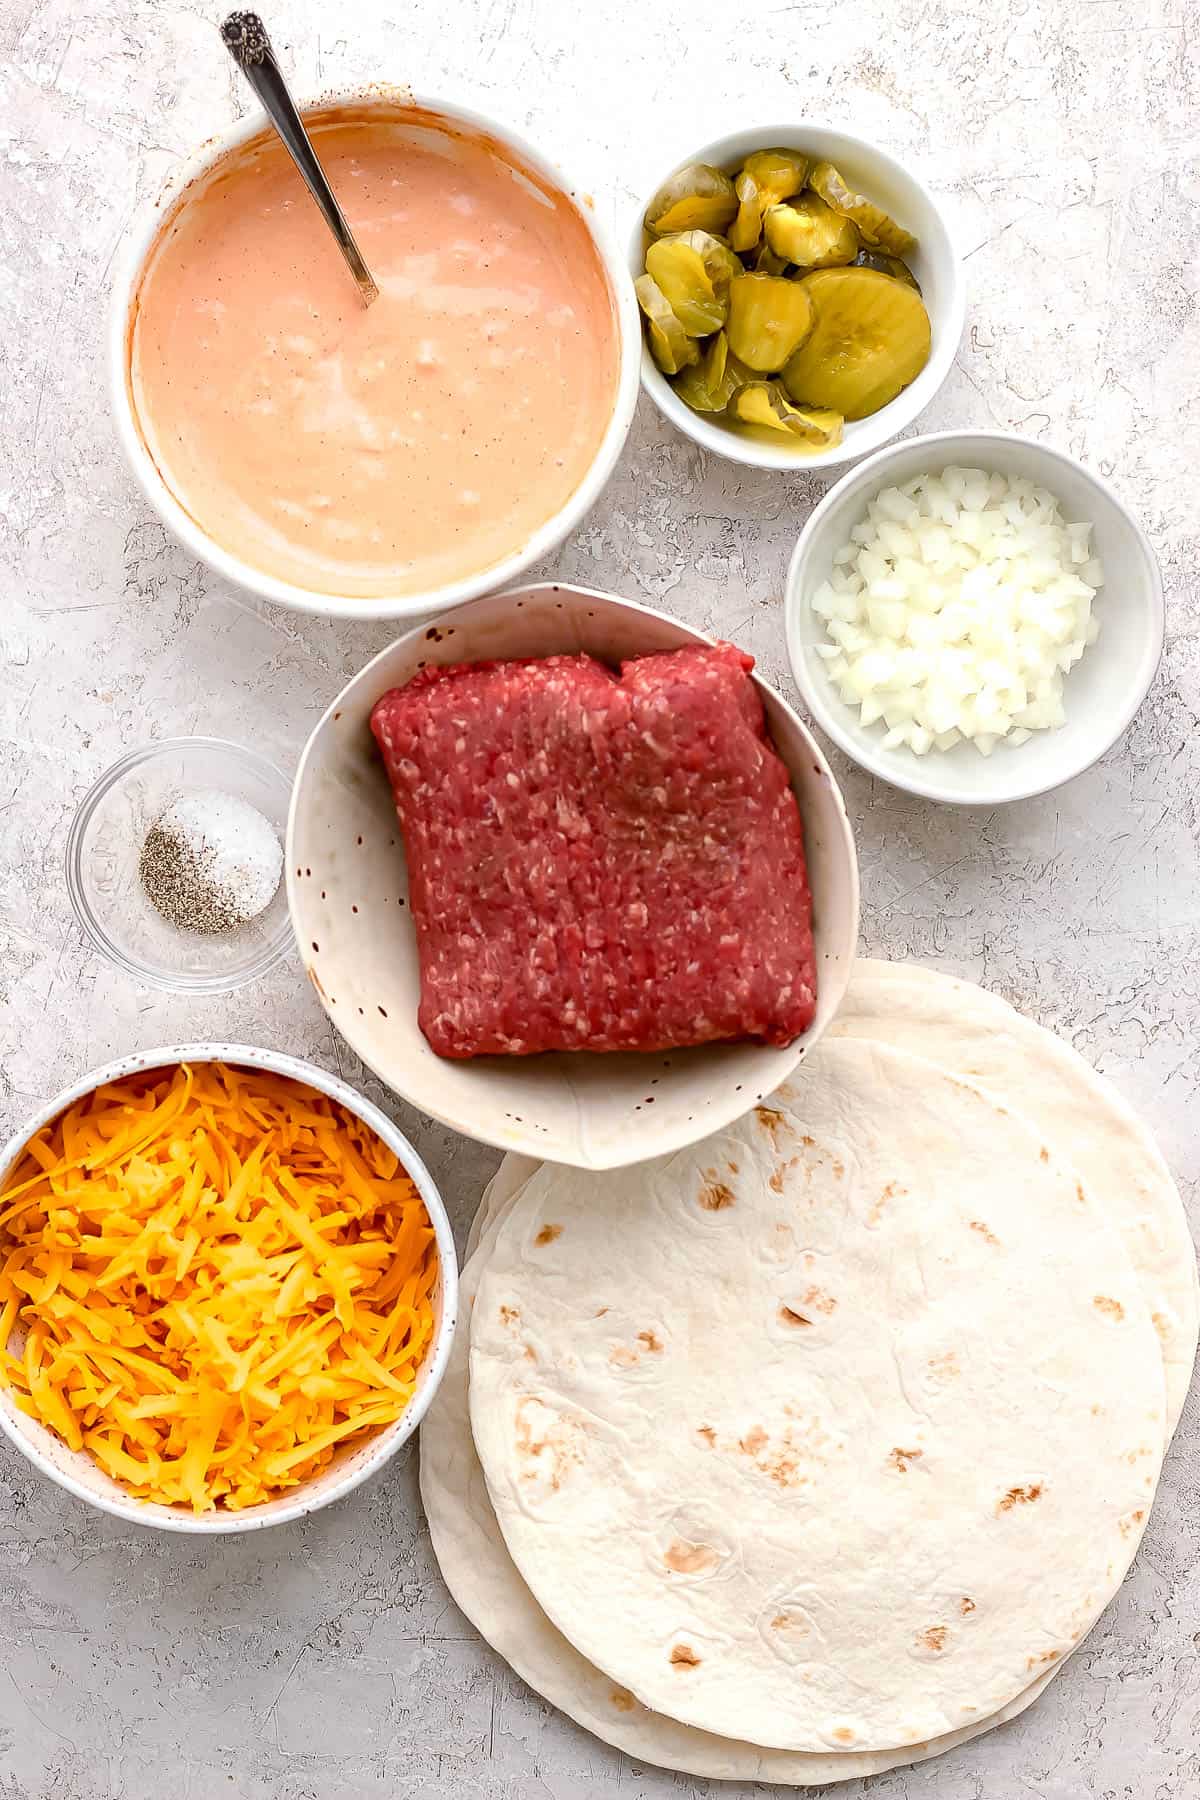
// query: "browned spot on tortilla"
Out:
[966,1605]
[1043,1154]
[1037,1662]
[1019,1496]
[316,980]
[781,1621]
[561,1452]
[690,1559]
[1079,1193]
[933,1637]
[707,1433]
[788,1317]
[985,1232]
[530,1353]
[622,1357]
[684,1657]
[715,1196]
[843,1734]
[652,1342]
[1161,1324]
[510,1315]
[794,1456]
[900,1459]
[622,1699]
[775,1181]
[944,1367]
[820,1301]
[769,1118]
[1128,1524]
[547,1235]
[733,1168]
[876,1212]
[1112,1309]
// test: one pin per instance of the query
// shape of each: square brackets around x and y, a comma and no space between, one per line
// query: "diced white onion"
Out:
[956,608]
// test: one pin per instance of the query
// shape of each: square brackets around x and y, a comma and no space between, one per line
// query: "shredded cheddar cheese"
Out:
[210,1279]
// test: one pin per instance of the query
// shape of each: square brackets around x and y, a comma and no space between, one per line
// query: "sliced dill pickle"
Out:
[766,178]
[670,345]
[699,198]
[769,318]
[682,278]
[870,338]
[719,260]
[777,174]
[764,403]
[764,261]
[873,223]
[711,384]
[887,265]
[807,232]
[746,229]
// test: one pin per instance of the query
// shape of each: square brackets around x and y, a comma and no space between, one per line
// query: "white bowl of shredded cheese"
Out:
[82,1473]
[973,616]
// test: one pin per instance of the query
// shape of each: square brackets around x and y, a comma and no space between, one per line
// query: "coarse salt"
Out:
[211,862]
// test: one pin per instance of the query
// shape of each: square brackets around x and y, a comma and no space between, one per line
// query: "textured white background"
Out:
[325,1662]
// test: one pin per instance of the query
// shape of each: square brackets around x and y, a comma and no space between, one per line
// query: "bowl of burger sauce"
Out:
[383,461]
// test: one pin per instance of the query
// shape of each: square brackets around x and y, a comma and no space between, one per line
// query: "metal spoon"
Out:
[247,42]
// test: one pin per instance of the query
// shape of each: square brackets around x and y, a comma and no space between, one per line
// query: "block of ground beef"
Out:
[599,862]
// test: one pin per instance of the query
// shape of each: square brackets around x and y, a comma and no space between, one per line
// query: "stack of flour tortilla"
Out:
[815,1449]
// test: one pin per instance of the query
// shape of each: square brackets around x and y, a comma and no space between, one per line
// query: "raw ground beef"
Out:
[599,863]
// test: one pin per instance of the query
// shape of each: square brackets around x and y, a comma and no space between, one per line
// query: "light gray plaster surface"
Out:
[325,1661]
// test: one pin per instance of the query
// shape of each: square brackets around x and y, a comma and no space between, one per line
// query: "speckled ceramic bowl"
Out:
[82,1476]
[348,893]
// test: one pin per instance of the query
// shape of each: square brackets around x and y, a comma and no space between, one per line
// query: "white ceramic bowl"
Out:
[348,890]
[1101,693]
[935,262]
[82,1476]
[137,245]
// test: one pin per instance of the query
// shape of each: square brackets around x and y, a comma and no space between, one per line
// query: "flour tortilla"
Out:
[978,1035]
[842,1466]
[487,1587]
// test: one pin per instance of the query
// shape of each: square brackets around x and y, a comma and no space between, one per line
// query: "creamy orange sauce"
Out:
[384,449]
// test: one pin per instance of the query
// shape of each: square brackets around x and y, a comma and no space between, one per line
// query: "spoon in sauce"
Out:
[246,40]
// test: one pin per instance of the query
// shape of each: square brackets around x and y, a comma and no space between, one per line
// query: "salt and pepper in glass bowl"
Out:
[174,864]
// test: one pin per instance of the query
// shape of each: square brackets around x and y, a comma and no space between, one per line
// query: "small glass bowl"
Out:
[104,847]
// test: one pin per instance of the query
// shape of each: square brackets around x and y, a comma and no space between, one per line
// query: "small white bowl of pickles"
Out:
[802,300]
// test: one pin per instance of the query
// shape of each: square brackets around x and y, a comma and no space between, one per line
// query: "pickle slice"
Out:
[670,345]
[682,278]
[766,178]
[699,198]
[887,265]
[746,229]
[719,261]
[764,261]
[874,224]
[769,318]
[764,403]
[808,232]
[711,384]
[777,174]
[870,338]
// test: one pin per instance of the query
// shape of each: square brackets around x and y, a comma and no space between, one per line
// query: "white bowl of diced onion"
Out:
[973,616]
